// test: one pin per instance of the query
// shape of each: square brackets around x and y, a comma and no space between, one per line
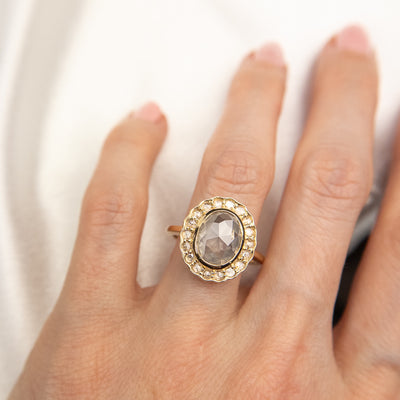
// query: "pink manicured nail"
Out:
[354,38]
[149,112]
[270,53]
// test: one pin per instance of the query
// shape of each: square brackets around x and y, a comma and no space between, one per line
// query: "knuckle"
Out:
[335,175]
[239,171]
[76,369]
[281,373]
[115,210]
[299,303]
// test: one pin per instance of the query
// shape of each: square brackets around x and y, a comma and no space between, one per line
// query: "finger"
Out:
[104,262]
[328,183]
[368,336]
[238,163]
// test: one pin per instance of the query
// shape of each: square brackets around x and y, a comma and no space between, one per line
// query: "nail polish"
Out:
[354,38]
[149,112]
[270,53]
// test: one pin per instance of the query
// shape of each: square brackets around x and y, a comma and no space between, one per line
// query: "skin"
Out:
[108,338]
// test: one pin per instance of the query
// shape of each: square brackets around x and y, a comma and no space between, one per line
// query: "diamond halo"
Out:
[243,254]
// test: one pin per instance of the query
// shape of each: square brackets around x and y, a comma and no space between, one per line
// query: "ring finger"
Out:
[238,163]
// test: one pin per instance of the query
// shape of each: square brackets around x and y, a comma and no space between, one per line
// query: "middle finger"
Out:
[238,163]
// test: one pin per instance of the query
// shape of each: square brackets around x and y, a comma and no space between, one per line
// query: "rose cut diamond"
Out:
[219,238]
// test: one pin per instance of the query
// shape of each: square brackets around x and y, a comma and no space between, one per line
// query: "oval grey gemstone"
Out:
[219,238]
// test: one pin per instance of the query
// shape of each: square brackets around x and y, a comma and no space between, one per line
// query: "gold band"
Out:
[174,230]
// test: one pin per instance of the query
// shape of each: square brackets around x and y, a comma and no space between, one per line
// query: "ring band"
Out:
[218,239]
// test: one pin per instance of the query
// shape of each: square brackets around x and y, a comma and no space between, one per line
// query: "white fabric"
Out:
[70,69]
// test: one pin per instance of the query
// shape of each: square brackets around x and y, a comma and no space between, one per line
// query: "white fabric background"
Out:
[70,69]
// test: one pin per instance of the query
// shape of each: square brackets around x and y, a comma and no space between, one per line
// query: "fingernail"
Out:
[149,112]
[354,38]
[270,53]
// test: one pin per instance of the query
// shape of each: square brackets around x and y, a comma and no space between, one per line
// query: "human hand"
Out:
[107,338]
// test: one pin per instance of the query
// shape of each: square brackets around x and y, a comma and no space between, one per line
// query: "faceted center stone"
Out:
[219,238]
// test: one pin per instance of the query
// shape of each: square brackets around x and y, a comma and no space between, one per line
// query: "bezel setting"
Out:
[195,219]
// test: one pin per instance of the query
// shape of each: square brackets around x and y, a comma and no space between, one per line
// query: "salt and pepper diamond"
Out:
[218,239]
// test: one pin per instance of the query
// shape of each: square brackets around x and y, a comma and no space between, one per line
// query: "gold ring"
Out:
[218,239]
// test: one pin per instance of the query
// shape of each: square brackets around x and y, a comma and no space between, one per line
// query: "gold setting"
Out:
[188,232]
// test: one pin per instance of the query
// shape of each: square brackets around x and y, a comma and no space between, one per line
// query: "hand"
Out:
[107,338]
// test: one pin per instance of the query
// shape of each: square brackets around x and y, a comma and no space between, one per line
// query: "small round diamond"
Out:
[197,268]
[192,222]
[229,204]
[239,265]
[246,255]
[186,246]
[197,214]
[249,243]
[249,232]
[240,210]
[206,207]
[247,220]
[218,203]
[230,272]
[207,273]
[219,275]
[187,234]
[189,257]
